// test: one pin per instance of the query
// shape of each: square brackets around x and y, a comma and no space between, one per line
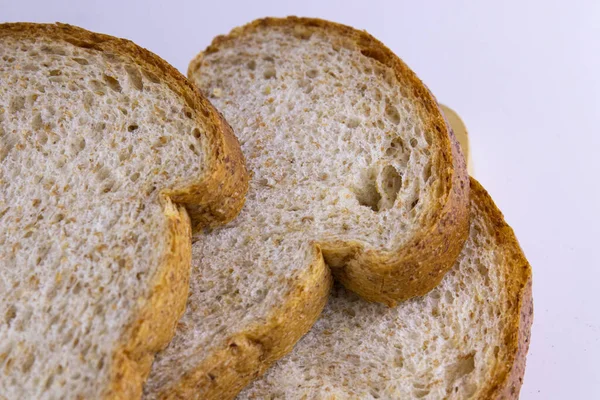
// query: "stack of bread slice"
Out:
[360,228]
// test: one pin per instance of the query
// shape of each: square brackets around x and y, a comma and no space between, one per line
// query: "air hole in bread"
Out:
[135,78]
[392,114]
[124,155]
[36,122]
[17,103]
[77,288]
[312,73]
[420,393]
[391,183]
[352,122]
[98,87]
[112,82]
[251,65]
[28,363]
[160,142]
[31,68]
[81,61]
[368,195]
[132,127]
[396,146]
[194,149]
[399,359]
[463,366]
[448,297]
[49,382]
[269,73]
[10,314]
[102,173]
[427,172]
[79,144]
[108,186]
[88,101]
[414,203]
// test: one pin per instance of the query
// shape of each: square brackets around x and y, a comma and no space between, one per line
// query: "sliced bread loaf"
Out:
[104,151]
[466,339]
[353,166]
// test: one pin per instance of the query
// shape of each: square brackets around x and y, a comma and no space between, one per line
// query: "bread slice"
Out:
[353,166]
[467,338]
[104,151]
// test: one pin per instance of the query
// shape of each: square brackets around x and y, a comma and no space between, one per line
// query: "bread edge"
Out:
[508,379]
[419,265]
[215,199]
[154,326]
[248,354]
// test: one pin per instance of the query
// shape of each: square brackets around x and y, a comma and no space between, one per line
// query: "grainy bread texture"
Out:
[104,149]
[467,338]
[353,165]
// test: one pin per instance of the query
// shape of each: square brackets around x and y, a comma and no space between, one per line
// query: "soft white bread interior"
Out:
[104,148]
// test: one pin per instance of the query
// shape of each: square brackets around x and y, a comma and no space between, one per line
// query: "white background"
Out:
[524,75]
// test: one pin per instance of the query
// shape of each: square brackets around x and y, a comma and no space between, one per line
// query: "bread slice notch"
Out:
[108,156]
[467,338]
[353,166]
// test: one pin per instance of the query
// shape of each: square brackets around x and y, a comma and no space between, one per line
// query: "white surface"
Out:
[524,76]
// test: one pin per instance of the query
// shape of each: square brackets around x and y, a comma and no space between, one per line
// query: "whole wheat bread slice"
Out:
[467,338]
[104,150]
[353,166]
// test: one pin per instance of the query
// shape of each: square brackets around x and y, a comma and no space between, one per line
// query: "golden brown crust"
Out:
[509,389]
[155,323]
[222,196]
[418,266]
[215,198]
[508,376]
[248,354]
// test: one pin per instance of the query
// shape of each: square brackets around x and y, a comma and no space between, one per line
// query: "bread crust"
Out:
[155,323]
[416,267]
[213,199]
[508,378]
[249,353]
